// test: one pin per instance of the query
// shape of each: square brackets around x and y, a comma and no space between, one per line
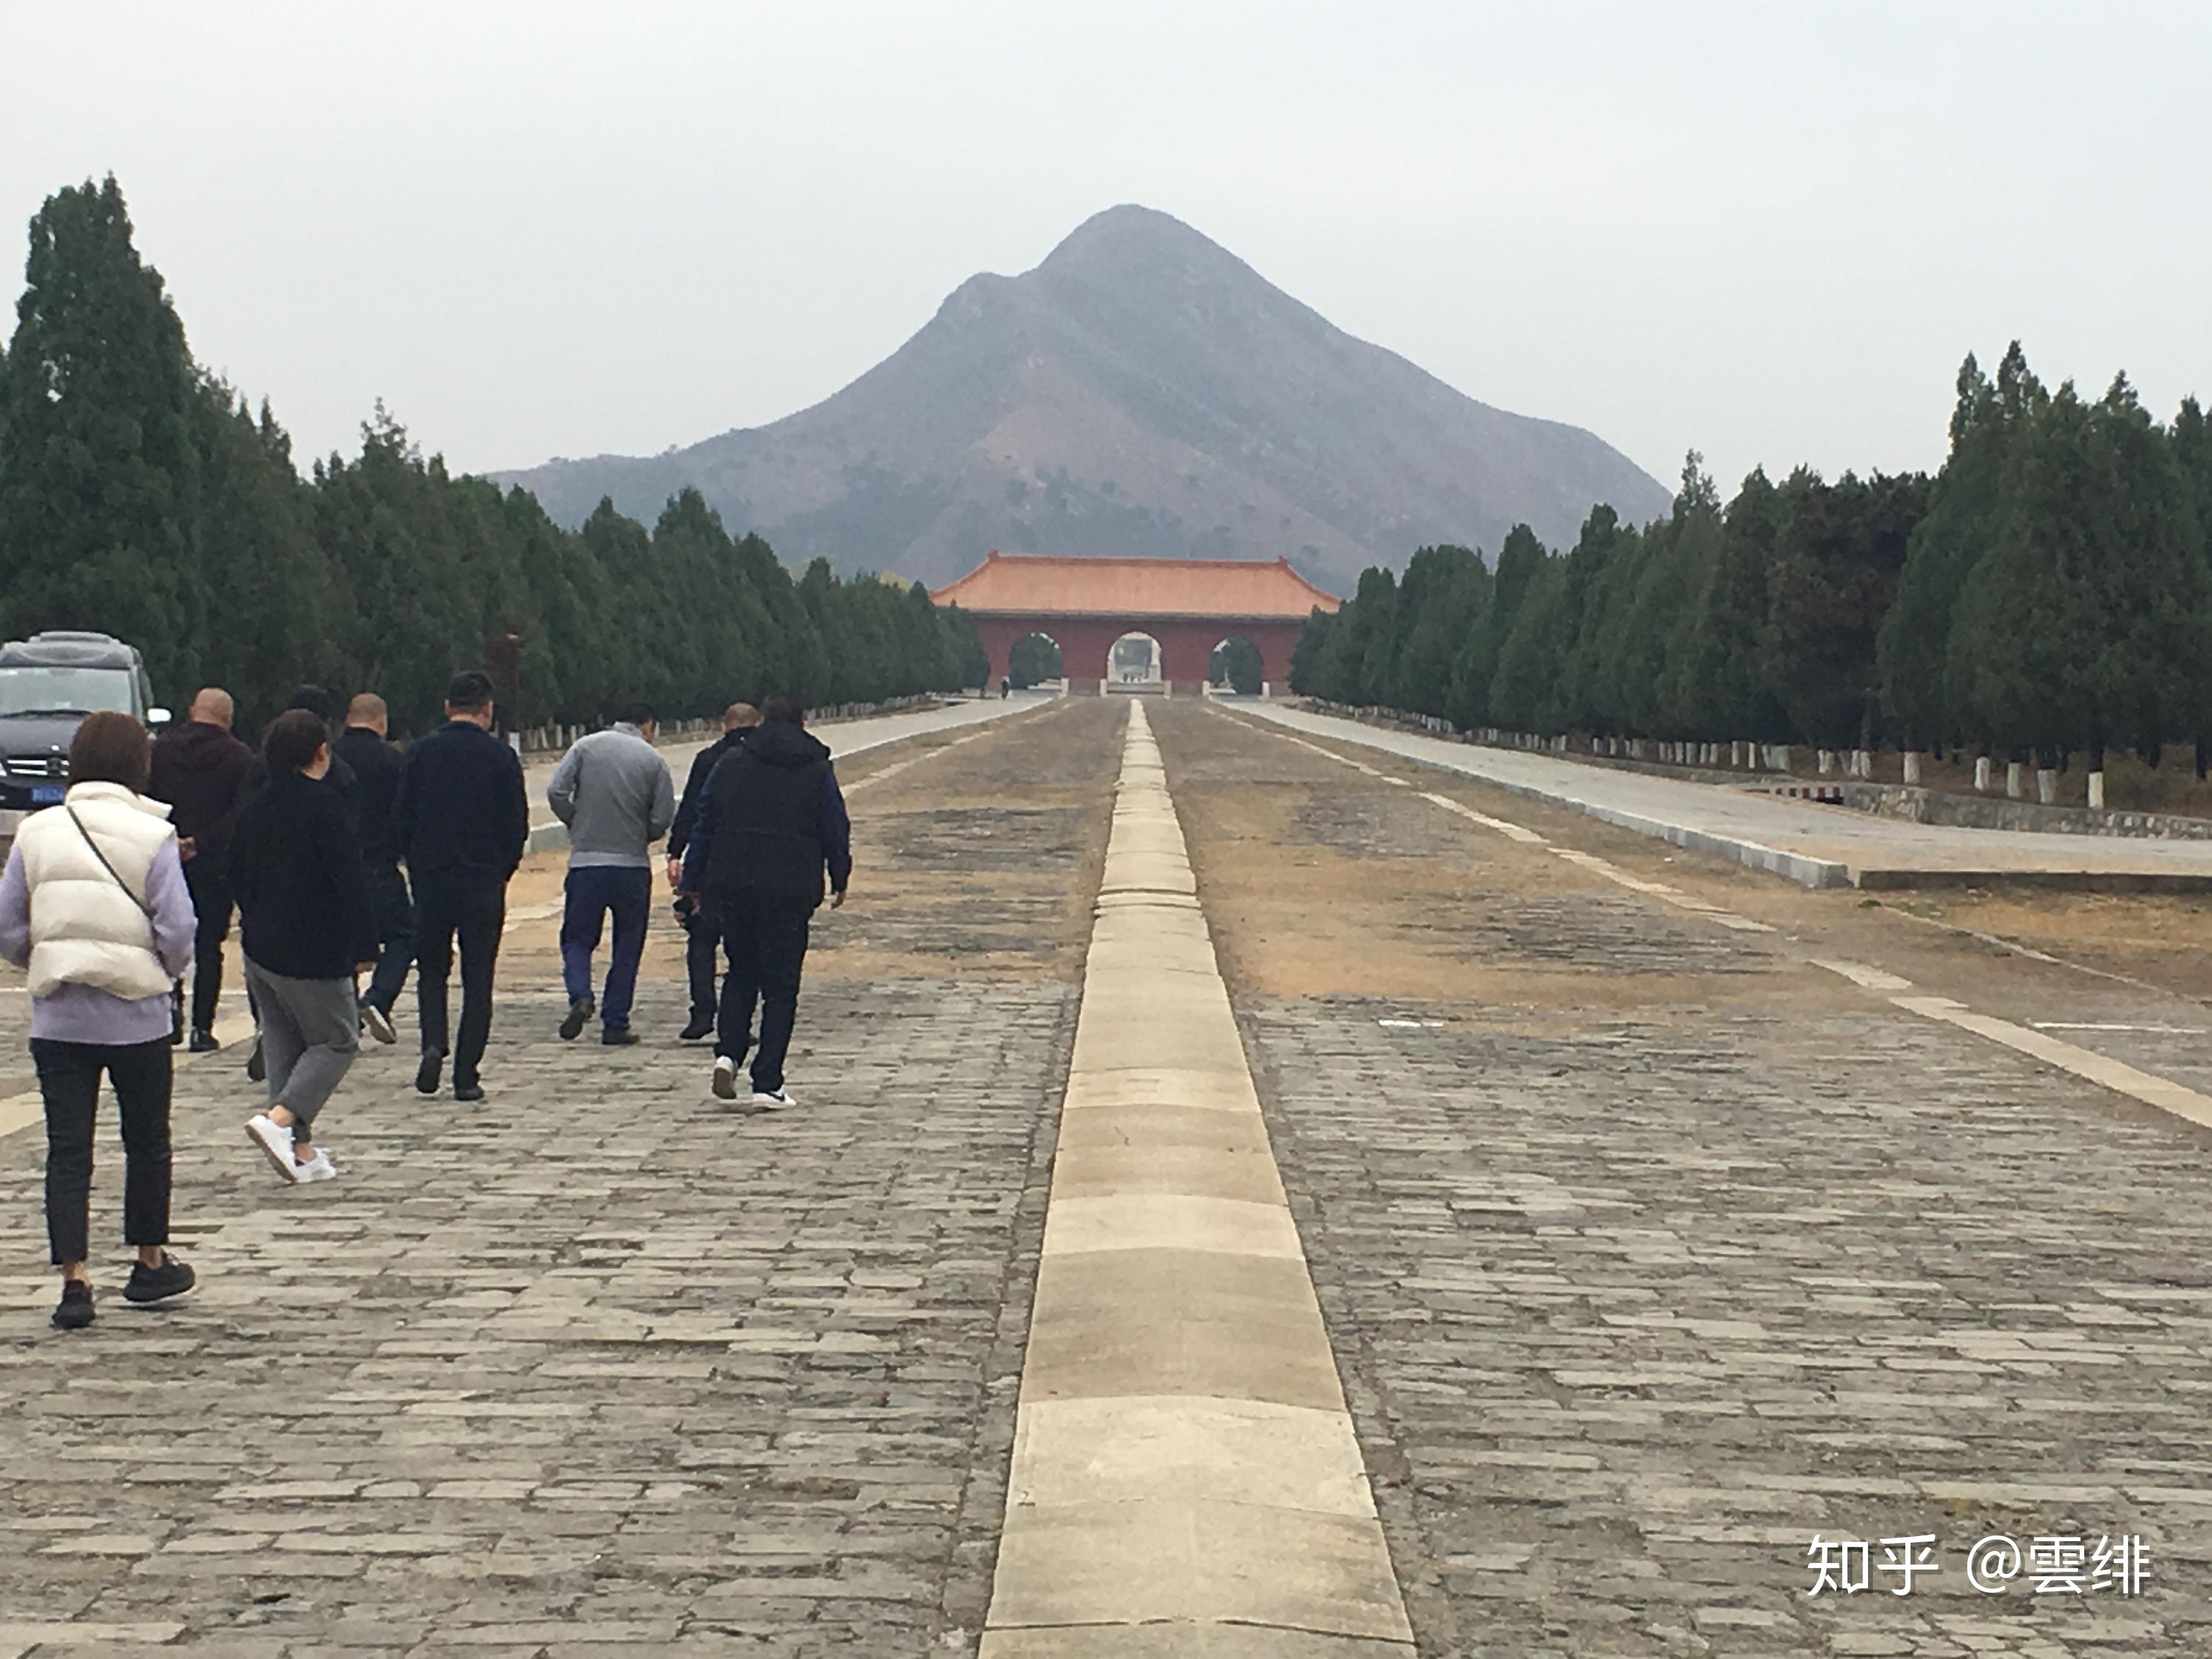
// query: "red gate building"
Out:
[1188,605]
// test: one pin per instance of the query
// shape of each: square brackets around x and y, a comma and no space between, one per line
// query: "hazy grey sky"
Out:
[1769,231]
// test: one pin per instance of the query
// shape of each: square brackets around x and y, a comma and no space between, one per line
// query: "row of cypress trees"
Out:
[141,497]
[2048,591]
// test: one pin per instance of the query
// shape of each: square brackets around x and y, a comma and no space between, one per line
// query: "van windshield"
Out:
[63,690]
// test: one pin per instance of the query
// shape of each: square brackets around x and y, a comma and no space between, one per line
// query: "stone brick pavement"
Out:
[601,1368]
[1644,1266]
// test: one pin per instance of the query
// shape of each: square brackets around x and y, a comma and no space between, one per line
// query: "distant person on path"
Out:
[200,769]
[613,791]
[375,764]
[461,819]
[703,936]
[93,903]
[306,925]
[772,823]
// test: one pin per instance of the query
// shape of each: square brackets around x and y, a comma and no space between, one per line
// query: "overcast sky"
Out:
[1768,231]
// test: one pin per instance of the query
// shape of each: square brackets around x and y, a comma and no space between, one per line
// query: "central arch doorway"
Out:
[1135,663]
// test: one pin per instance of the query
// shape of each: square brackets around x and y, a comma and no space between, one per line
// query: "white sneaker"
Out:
[772,1100]
[276,1143]
[318,1168]
[725,1079]
[377,1024]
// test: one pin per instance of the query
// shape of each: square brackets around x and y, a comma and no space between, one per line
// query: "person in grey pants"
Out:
[307,929]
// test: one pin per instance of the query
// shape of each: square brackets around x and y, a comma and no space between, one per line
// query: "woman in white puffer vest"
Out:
[94,903]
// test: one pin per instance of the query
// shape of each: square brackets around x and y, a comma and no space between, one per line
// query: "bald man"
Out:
[375,764]
[200,769]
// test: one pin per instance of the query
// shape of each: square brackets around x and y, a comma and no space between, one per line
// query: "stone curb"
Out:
[1186,1478]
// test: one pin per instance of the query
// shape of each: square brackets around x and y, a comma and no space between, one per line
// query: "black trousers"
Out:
[766,947]
[69,1078]
[212,904]
[703,938]
[475,911]
[394,911]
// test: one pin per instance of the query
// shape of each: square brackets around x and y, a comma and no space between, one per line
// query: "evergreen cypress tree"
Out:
[1519,559]
[100,510]
[1439,604]
[2089,620]
[1843,545]
[1720,669]
[1913,651]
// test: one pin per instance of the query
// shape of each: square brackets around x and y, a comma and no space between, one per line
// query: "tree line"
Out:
[2047,592]
[141,497]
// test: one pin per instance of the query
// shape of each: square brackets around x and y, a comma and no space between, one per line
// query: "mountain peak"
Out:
[1141,391]
[1122,240]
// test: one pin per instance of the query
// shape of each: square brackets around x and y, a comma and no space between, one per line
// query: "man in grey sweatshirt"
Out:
[613,791]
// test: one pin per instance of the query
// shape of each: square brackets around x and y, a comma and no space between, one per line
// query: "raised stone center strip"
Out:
[1186,1480]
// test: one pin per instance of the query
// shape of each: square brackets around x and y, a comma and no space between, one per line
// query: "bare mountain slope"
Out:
[1141,391]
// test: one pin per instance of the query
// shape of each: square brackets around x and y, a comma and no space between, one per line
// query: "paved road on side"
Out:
[1650,1249]
[1811,843]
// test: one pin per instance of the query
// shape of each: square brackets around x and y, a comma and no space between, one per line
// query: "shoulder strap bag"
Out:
[136,897]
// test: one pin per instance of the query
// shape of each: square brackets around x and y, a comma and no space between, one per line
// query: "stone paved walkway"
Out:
[600,1368]
[1648,1249]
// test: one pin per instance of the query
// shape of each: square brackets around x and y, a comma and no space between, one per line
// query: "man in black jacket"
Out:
[201,770]
[702,934]
[772,821]
[376,766]
[461,819]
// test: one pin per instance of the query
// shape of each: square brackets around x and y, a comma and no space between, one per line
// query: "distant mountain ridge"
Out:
[1142,391]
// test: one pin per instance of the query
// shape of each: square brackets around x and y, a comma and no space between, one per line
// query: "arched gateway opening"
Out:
[1235,669]
[1135,663]
[1034,660]
[1186,608]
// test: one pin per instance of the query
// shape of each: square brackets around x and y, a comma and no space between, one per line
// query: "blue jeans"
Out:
[591,892]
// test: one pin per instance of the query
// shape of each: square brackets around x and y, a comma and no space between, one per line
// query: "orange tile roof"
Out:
[1031,585]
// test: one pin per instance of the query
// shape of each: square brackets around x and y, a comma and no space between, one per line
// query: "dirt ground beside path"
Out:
[1650,1248]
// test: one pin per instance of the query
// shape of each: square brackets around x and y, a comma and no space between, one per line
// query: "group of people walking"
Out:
[110,897]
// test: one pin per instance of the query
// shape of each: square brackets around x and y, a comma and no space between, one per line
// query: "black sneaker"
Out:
[74,1312]
[171,1277]
[619,1036]
[428,1073]
[256,1063]
[701,1025]
[571,1023]
[202,1043]
[468,1093]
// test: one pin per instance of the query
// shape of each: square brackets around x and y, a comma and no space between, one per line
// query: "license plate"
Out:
[47,794]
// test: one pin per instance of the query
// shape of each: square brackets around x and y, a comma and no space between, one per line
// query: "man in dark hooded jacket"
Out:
[201,770]
[703,936]
[773,821]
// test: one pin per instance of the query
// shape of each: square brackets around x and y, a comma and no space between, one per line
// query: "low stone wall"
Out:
[1919,806]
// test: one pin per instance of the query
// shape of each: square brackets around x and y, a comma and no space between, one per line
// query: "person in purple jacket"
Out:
[94,903]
